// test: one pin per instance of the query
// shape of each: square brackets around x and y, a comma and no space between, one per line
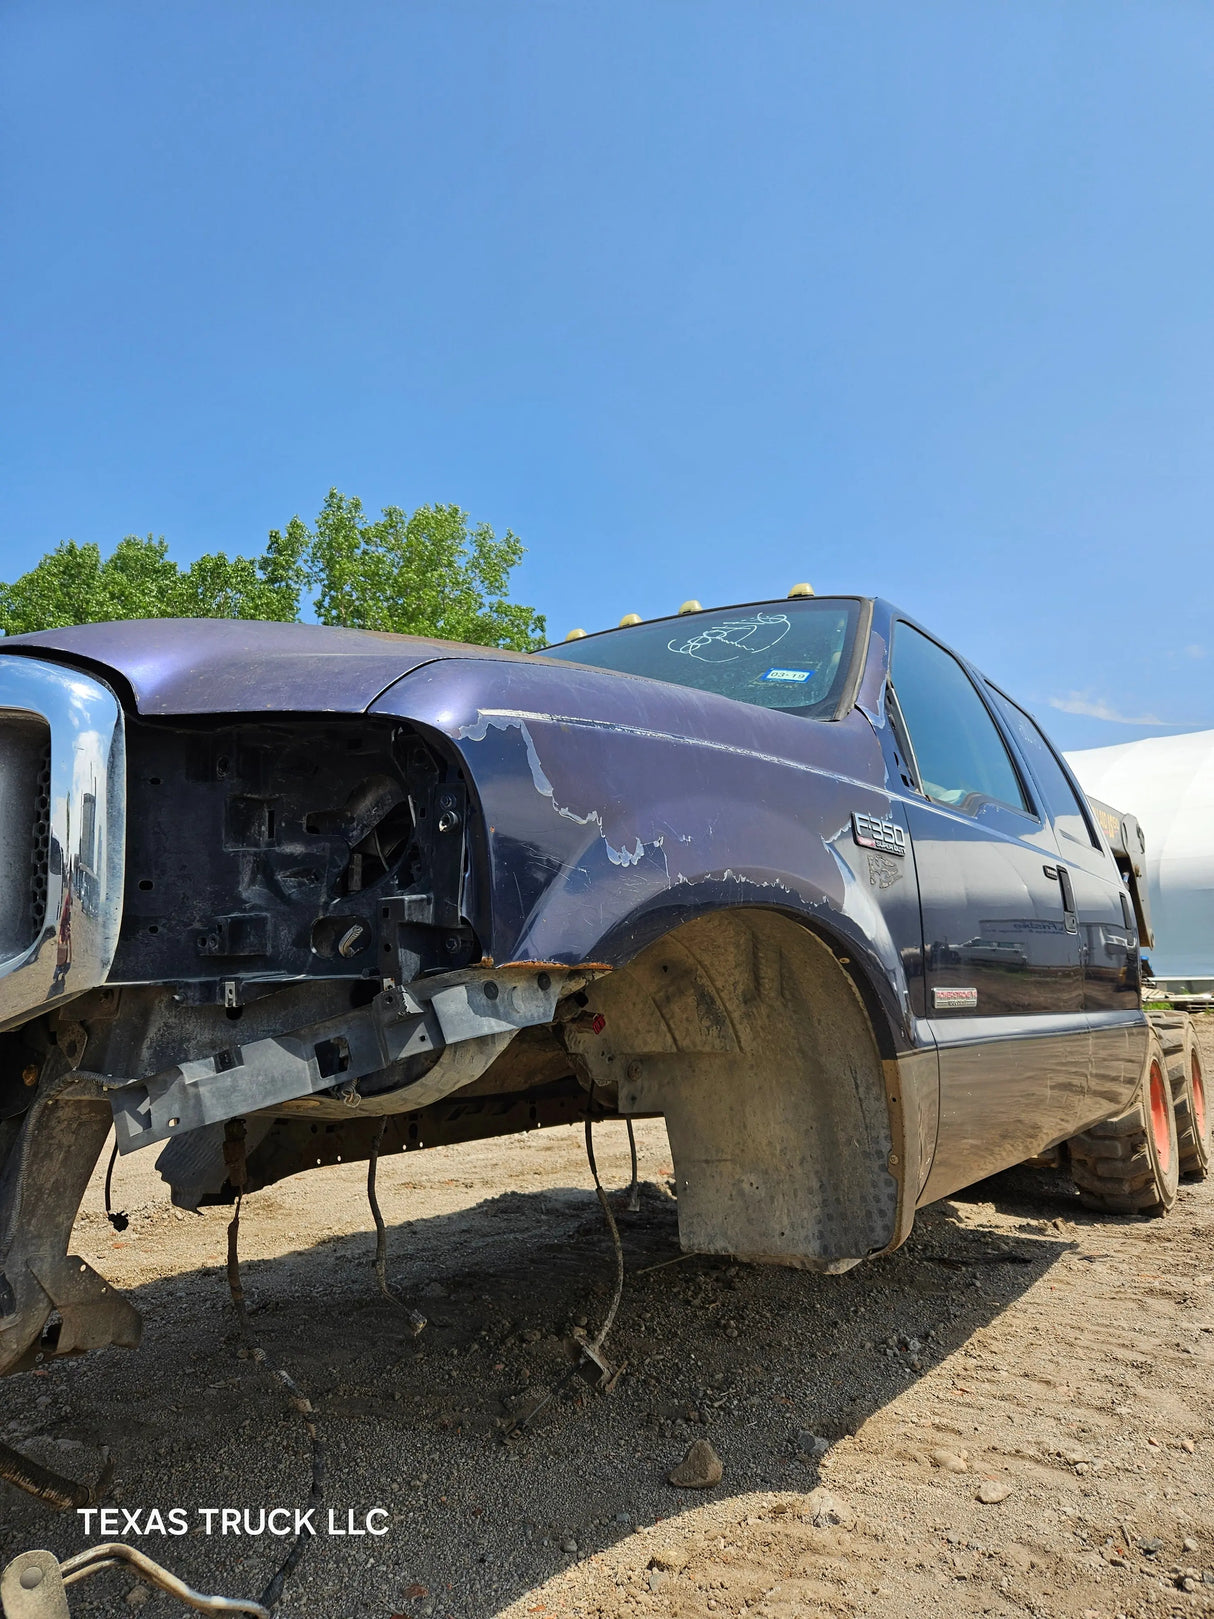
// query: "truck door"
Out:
[1003,975]
[1104,917]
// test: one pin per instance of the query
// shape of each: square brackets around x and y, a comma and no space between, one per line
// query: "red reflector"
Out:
[598,1023]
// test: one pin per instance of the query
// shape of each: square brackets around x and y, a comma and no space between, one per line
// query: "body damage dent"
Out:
[476,733]
[842,892]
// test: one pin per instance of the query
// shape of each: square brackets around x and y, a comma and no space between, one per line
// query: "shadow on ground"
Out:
[756,1359]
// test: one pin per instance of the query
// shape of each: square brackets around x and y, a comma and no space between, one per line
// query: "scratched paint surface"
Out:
[615,807]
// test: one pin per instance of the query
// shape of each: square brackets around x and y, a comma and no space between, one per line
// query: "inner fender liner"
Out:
[743,1029]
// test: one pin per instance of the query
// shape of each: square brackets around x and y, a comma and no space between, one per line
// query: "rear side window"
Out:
[1061,801]
[961,758]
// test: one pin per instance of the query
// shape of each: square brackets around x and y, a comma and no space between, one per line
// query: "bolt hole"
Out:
[146,884]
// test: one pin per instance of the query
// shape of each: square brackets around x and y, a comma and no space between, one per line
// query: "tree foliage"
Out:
[429,572]
[425,573]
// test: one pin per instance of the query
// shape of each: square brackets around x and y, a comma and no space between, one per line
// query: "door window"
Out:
[1061,801]
[962,760]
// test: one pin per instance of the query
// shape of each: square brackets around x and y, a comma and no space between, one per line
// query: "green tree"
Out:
[72,585]
[431,572]
[426,573]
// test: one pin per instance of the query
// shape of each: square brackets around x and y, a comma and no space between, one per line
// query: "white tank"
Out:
[1168,783]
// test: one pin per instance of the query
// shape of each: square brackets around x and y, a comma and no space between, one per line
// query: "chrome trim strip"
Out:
[78,935]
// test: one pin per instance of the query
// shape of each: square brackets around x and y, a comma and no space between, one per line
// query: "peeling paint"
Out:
[502,721]
[616,808]
[521,717]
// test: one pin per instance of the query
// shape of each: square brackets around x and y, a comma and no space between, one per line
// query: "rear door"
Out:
[1104,918]
[1003,971]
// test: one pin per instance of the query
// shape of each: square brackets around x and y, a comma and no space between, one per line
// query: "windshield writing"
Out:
[792,657]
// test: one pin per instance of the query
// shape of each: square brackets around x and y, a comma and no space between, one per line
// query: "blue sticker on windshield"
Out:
[792,676]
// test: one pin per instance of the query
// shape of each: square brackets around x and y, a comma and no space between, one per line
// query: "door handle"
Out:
[1062,876]
[1127,914]
[1068,901]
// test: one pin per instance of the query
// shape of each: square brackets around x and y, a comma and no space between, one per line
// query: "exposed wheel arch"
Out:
[789,1128]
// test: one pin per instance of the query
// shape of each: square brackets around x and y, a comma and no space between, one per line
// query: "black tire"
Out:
[1131,1164]
[1183,1058]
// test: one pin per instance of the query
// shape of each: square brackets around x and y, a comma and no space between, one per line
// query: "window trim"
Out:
[901,734]
[1030,811]
[1085,809]
[849,691]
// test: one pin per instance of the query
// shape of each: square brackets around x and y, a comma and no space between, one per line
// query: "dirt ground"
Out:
[1016,1347]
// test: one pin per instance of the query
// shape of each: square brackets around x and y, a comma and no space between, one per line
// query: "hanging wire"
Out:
[587,1353]
[417,1321]
[116,1217]
[237,1171]
[597,1342]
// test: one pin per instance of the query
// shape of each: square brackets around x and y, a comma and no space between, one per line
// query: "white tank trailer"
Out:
[1168,784]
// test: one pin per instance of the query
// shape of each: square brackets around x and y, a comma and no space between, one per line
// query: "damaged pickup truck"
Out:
[790,874]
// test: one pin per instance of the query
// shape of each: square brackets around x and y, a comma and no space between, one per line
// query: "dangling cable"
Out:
[273,1591]
[597,1343]
[586,1353]
[238,1178]
[116,1217]
[417,1321]
[57,1491]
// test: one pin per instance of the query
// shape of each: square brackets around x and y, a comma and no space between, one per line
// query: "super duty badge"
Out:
[872,833]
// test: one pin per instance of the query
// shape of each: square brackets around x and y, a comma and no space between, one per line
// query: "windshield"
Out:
[792,655]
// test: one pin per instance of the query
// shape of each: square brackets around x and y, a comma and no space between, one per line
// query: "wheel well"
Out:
[742,1028]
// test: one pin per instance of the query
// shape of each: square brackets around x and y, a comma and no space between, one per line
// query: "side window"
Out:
[962,759]
[1061,802]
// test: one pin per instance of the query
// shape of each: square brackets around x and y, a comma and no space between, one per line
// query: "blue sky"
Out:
[699,298]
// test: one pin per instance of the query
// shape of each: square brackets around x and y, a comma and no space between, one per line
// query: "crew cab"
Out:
[792,874]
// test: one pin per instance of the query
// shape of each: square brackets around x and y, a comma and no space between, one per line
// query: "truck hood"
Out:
[235,666]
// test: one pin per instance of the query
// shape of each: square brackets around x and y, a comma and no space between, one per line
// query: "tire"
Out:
[1131,1164]
[1183,1058]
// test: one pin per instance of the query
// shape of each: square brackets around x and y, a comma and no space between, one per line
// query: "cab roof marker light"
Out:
[691,606]
[576,635]
[800,590]
[629,619]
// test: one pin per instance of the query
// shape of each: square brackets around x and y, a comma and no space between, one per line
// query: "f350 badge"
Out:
[872,833]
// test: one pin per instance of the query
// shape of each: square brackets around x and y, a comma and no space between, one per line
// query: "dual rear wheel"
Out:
[1183,1060]
[1132,1164]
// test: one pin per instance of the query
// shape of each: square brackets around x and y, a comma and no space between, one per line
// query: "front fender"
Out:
[599,834]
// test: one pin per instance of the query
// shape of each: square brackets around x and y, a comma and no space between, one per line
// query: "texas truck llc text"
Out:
[283,1521]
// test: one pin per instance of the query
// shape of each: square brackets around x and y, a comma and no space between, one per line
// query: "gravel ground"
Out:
[1016,1347]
